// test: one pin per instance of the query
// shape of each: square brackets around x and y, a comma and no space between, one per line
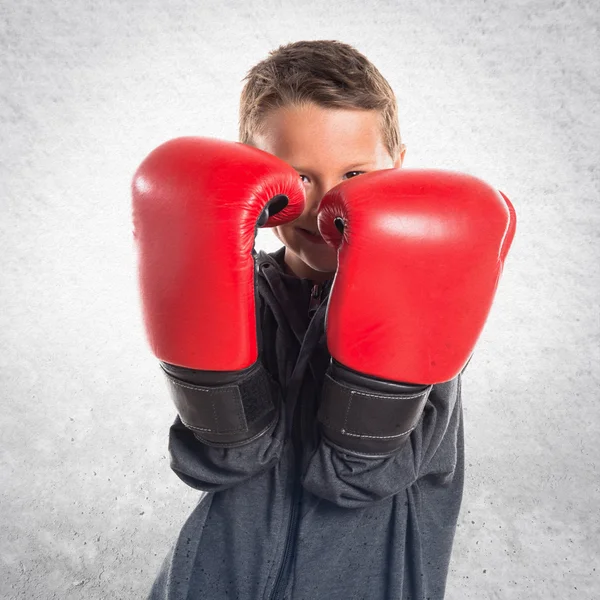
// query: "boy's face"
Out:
[326,146]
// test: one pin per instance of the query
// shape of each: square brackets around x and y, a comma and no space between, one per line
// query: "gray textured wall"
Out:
[505,90]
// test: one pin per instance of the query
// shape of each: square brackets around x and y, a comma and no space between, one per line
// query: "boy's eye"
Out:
[354,173]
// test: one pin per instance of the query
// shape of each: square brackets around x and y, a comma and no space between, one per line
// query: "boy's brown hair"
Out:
[328,73]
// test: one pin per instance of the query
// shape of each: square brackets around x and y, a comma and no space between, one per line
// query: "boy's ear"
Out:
[400,159]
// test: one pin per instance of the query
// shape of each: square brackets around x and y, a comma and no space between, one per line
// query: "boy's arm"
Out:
[212,467]
[196,205]
[231,432]
[354,479]
[420,253]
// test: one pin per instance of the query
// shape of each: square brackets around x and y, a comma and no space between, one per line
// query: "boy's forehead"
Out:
[303,136]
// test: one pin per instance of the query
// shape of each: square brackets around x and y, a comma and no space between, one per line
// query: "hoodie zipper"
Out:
[315,297]
[280,582]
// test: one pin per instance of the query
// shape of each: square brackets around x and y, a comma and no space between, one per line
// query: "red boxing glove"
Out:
[196,205]
[420,253]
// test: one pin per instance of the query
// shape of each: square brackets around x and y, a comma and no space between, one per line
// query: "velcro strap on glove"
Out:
[369,416]
[224,409]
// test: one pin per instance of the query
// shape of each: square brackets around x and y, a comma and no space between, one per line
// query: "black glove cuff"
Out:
[367,415]
[226,409]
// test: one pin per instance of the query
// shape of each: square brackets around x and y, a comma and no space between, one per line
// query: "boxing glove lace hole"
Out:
[274,205]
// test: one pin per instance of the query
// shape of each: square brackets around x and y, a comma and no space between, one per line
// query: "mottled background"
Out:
[505,90]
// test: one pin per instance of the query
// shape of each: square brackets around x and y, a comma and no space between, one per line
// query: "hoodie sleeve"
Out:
[212,468]
[354,479]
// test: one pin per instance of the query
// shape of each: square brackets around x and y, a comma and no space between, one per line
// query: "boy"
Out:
[297,506]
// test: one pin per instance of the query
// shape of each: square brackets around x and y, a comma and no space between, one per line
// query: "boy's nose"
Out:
[314,199]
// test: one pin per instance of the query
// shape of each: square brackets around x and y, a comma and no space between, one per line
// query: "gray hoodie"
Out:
[297,518]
